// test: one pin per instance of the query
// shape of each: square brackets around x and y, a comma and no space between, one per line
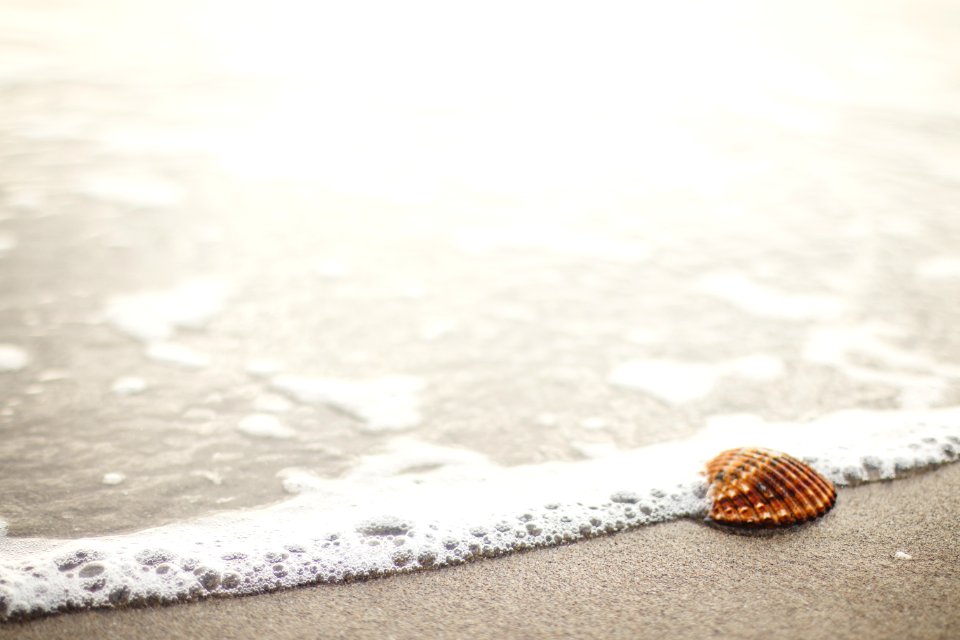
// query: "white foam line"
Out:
[388,517]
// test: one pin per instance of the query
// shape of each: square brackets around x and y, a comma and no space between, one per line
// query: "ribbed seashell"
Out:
[759,488]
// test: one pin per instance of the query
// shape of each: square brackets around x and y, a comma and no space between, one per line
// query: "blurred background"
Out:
[241,237]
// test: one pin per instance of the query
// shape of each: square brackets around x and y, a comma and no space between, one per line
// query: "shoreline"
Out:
[840,577]
[345,529]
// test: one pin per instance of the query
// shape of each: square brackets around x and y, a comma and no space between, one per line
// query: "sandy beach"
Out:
[839,578]
[291,293]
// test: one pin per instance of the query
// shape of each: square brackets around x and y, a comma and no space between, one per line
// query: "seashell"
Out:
[760,488]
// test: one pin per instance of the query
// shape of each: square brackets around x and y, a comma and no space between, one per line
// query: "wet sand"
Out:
[839,578]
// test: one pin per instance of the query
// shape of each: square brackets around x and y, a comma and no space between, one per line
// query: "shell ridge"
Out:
[719,463]
[782,484]
[815,486]
[738,478]
[762,488]
[778,497]
[743,502]
[826,488]
[795,485]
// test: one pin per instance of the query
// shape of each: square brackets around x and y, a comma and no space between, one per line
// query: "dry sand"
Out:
[836,579]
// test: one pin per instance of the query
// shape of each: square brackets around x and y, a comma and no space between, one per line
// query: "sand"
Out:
[839,578]
[810,148]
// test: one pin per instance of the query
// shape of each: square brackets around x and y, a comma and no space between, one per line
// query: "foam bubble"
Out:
[406,455]
[673,382]
[128,386]
[178,354]
[13,358]
[761,300]
[156,315]
[262,425]
[113,478]
[418,505]
[400,457]
[678,382]
[382,404]
[295,480]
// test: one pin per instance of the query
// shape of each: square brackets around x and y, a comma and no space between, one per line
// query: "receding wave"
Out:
[419,506]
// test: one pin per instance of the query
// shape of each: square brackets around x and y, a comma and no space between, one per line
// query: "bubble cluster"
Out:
[384,520]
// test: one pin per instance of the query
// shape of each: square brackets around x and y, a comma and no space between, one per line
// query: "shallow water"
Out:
[274,256]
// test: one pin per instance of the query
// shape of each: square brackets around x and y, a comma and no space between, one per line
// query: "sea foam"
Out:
[177,354]
[260,425]
[156,315]
[418,505]
[387,403]
[920,380]
[13,358]
[679,382]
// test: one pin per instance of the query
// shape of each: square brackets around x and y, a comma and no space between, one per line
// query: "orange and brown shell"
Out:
[759,488]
